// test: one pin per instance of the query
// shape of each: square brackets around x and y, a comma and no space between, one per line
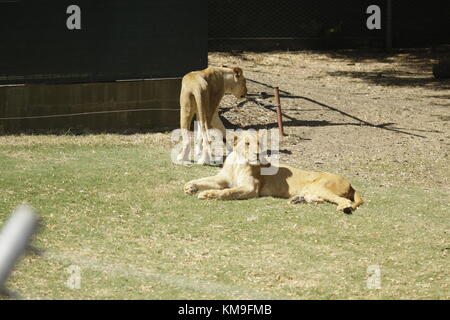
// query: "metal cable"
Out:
[84,113]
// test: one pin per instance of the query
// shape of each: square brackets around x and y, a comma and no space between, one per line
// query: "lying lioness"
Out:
[241,178]
[201,93]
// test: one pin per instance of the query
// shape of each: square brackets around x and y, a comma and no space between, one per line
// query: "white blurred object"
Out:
[14,239]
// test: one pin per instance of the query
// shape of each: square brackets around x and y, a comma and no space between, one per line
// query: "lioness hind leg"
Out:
[208,183]
[305,197]
[204,141]
[183,156]
[343,204]
[216,123]
[186,115]
[204,124]
[205,153]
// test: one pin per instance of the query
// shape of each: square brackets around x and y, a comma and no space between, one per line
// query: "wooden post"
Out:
[279,114]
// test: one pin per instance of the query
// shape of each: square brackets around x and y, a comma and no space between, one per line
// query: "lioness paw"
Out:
[297,199]
[345,207]
[208,194]
[203,161]
[190,188]
[183,158]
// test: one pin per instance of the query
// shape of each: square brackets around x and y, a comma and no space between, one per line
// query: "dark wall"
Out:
[102,106]
[119,39]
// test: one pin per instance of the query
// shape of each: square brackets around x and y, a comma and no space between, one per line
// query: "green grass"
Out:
[114,206]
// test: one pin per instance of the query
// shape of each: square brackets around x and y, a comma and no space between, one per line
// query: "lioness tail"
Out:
[357,200]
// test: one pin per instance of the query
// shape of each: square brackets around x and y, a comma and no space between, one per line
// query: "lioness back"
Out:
[289,181]
[194,80]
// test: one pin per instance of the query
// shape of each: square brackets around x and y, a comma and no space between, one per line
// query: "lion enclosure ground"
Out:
[113,205]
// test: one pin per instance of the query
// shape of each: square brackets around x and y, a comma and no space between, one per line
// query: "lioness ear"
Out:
[235,140]
[237,72]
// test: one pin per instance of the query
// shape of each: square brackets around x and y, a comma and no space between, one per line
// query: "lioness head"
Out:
[249,144]
[238,86]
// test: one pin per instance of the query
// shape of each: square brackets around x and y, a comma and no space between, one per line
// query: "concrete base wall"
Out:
[95,107]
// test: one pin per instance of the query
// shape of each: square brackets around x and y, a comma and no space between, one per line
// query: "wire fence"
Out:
[259,24]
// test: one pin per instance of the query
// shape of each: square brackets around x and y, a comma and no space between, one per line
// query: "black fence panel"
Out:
[289,18]
[420,23]
[314,22]
[268,24]
[117,40]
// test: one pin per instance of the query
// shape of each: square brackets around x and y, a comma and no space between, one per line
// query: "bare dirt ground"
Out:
[375,115]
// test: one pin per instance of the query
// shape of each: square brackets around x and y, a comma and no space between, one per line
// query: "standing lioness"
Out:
[241,178]
[201,93]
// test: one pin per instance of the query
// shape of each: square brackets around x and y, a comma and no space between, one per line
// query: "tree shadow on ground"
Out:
[295,122]
[443,96]
[416,58]
[314,123]
[404,67]
[399,68]
[394,78]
